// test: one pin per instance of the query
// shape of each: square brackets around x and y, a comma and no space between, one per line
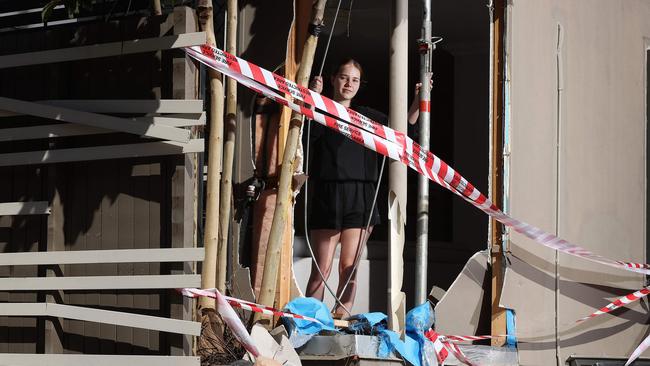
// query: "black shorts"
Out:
[342,205]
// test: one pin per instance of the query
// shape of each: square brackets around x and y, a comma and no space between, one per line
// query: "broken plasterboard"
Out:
[464,308]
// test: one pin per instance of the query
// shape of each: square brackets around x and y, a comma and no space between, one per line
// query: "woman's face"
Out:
[346,82]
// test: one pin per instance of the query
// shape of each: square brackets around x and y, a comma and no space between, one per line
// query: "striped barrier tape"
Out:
[457,338]
[621,301]
[246,305]
[443,346]
[441,350]
[387,142]
[231,319]
[356,130]
[638,351]
[460,356]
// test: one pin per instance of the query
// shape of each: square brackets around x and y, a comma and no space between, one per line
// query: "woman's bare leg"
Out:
[350,242]
[324,243]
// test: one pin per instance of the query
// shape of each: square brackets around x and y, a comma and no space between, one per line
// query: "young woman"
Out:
[343,175]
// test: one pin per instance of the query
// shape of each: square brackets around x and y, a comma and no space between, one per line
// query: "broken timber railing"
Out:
[138,237]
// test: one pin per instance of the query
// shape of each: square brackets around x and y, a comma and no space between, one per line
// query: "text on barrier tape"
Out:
[385,141]
[391,143]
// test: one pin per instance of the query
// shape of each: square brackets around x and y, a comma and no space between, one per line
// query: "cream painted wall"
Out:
[594,194]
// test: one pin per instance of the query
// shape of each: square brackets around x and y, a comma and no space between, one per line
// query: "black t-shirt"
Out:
[335,157]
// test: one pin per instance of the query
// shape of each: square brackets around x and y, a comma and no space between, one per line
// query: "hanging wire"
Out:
[364,235]
[311,250]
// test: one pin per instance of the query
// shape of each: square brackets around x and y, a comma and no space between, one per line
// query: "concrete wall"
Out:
[578,127]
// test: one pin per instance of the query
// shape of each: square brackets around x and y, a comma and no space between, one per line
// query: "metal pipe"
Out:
[422,242]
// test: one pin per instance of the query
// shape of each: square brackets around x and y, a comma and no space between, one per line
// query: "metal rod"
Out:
[422,242]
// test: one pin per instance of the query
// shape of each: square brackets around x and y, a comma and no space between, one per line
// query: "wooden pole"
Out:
[498,325]
[228,152]
[157,9]
[215,142]
[295,43]
[398,110]
[283,201]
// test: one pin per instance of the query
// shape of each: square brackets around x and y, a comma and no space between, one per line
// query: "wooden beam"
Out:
[215,157]
[230,125]
[498,320]
[56,178]
[26,359]
[176,120]
[99,282]
[101,152]
[103,256]
[190,106]
[185,79]
[67,129]
[284,195]
[103,50]
[101,316]
[295,45]
[94,119]
[24,208]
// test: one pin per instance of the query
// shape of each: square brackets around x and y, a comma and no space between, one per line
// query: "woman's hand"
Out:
[316,84]
[414,110]
[418,86]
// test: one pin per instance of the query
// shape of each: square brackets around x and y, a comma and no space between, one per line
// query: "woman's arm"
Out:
[316,85]
[414,109]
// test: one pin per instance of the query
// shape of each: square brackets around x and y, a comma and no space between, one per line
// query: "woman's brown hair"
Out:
[346,61]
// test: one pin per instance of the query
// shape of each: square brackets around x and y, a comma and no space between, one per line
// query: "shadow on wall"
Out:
[107,204]
[137,76]
[267,24]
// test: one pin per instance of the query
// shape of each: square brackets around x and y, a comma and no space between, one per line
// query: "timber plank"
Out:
[125,239]
[98,360]
[102,50]
[157,199]
[141,174]
[110,199]
[93,242]
[77,220]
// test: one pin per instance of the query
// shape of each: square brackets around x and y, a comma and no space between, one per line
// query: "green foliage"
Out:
[72,6]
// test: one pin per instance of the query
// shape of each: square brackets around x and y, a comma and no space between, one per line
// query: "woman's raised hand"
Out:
[316,84]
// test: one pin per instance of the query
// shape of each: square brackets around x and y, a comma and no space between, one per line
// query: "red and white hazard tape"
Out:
[232,321]
[460,356]
[243,304]
[385,141]
[639,350]
[441,350]
[621,301]
[457,338]
[443,345]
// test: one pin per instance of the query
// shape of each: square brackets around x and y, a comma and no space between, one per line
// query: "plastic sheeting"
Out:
[301,330]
